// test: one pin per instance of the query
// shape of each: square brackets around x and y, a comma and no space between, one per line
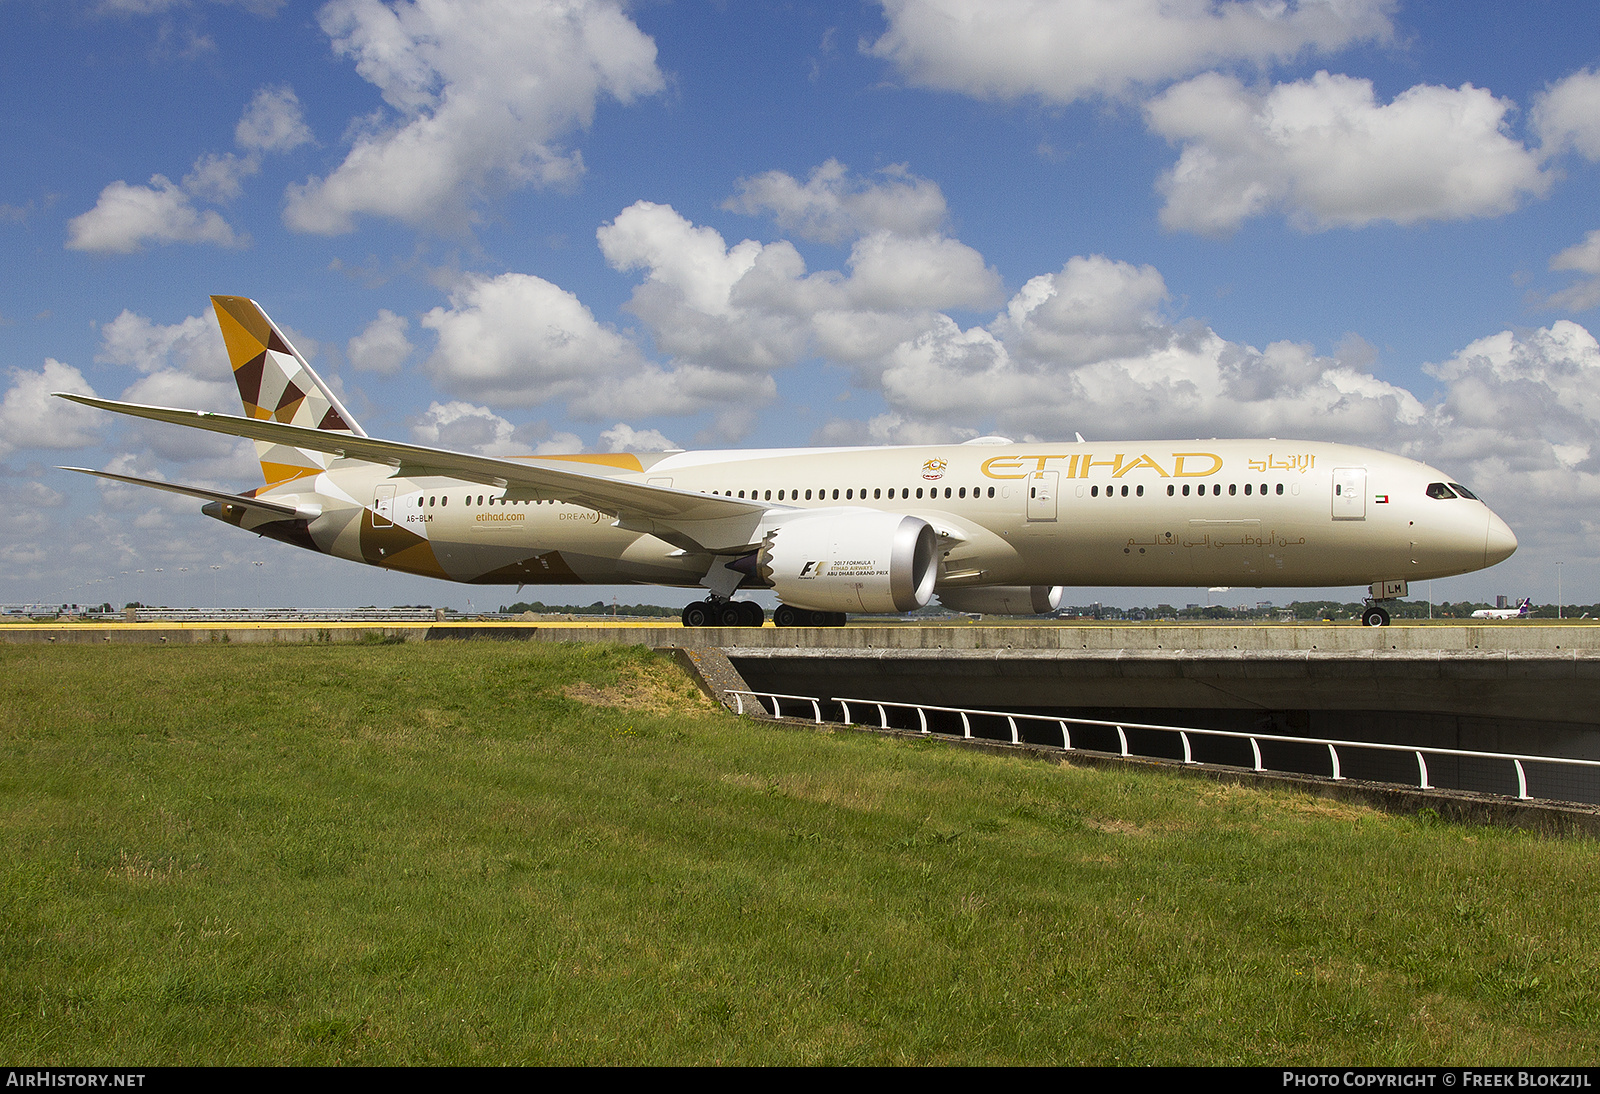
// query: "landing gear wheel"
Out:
[786,616]
[730,615]
[751,614]
[1375,617]
[697,614]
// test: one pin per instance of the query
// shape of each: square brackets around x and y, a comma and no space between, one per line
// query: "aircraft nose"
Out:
[1500,542]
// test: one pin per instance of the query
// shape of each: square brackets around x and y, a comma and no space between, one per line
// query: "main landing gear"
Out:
[724,613]
[743,613]
[786,616]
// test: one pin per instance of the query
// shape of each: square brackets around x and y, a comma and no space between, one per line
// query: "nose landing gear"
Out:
[1375,615]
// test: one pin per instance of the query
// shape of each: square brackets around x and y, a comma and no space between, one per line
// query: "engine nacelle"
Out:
[1004,599]
[851,561]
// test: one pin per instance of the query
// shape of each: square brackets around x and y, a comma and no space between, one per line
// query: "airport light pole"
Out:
[1558,590]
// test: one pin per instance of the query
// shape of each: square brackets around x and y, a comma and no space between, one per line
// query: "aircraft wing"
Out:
[687,519]
[264,505]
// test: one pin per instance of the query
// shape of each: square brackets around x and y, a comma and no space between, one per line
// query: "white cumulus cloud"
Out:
[519,340]
[1071,49]
[831,206]
[1087,349]
[484,95]
[126,217]
[183,364]
[622,437]
[272,122]
[1325,153]
[463,427]
[753,307]
[383,346]
[31,418]
[1567,114]
[1583,258]
[193,345]
[687,296]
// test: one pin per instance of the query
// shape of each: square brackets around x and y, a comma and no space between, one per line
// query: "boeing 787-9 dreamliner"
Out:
[986,526]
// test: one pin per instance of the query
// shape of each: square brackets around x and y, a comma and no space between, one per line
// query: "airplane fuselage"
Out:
[1230,512]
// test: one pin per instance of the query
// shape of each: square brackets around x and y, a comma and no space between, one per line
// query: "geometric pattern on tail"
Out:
[276,383]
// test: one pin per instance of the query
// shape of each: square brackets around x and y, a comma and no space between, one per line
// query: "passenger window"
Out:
[1124,491]
[991,491]
[1170,489]
[1094,492]
[1185,489]
[1139,491]
[1232,489]
[962,492]
[1247,490]
[1280,488]
[849,495]
[919,492]
[808,495]
[836,495]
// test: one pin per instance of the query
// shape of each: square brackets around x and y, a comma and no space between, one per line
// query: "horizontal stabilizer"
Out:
[276,508]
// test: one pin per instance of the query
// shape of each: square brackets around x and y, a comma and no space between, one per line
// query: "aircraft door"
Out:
[1350,493]
[1042,495]
[383,507]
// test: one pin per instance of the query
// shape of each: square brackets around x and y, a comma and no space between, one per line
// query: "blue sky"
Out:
[525,227]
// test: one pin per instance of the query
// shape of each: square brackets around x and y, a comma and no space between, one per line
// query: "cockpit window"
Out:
[1439,490]
[1464,492]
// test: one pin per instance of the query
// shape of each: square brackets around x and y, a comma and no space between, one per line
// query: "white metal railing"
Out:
[738,699]
[1065,723]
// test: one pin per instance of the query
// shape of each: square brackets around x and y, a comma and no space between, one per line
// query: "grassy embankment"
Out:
[484,852]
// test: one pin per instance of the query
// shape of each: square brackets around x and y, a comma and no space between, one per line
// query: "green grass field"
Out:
[476,853]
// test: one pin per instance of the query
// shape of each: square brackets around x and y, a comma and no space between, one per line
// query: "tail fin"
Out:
[276,383]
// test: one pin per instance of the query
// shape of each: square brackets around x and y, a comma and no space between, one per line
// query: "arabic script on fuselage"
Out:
[1301,462]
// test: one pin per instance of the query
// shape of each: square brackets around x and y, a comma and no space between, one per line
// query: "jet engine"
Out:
[852,561]
[1004,599]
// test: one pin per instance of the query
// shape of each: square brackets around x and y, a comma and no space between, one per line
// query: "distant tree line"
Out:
[599,607]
